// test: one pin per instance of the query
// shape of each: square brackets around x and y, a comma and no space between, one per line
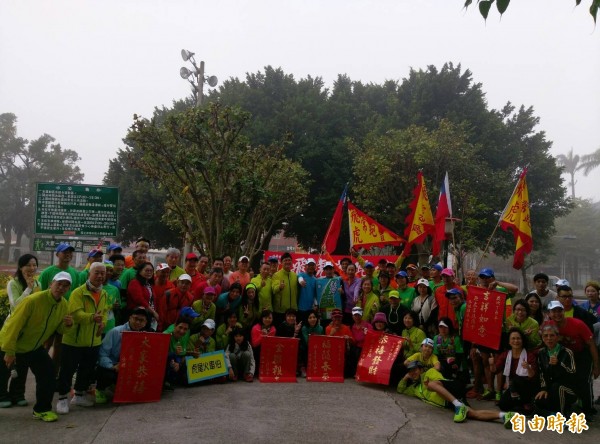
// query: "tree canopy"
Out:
[228,195]
[22,164]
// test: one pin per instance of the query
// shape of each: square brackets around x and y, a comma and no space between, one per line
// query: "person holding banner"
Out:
[179,347]
[312,327]
[337,328]
[359,330]
[259,331]
[203,343]
[35,320]
[109,354]
[239,357]
[329,293]
[431,387]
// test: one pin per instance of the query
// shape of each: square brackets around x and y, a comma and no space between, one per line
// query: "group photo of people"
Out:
[66,325]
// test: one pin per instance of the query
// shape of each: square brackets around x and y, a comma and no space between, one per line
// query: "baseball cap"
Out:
[379,317]
[162,266]
[562,283]
[369,264]
[328,264]
[191,256]
[443,324]
[210,290]
[414,364]
[425,267]
[62,276]
[454,291]
[64,246]
[244,259]
[95,252]
[185,277]
[209,323]
[403,274]
[113,247]
[486,273]
[273,259]
[310,261]
[438,267]
[393,294]
[427,341]
[555,304]
[411,267]
[357,310]
[189,312]
[448,272]
[423,281]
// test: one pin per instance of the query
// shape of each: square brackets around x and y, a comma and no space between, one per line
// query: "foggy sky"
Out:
[79,70]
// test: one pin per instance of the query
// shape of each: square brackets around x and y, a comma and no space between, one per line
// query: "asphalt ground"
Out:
[240,412]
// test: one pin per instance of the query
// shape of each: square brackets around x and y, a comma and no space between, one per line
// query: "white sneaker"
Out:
[82,401]
[62,406]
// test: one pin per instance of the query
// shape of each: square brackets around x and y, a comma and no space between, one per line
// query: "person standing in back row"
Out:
[285,289]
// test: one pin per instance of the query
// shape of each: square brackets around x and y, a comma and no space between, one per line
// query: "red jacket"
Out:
[170,305]
[138,294]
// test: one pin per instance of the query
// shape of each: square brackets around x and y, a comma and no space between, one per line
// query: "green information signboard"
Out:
[76,210]
[81,246]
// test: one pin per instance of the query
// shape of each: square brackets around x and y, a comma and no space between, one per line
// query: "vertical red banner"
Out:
[325,358]
[484,316]
[379,352]
[278,359]
[141,367]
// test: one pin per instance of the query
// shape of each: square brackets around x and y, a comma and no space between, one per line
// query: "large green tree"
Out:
[228,195]
[22,164]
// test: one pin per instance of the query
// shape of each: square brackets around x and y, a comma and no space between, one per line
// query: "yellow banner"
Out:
[422,222]
[207,366]
[366,232]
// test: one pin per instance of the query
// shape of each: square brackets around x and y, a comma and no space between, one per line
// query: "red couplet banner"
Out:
[278,359]
[325,359]
[379,352]
[142,366]
[483,317]
[299,261]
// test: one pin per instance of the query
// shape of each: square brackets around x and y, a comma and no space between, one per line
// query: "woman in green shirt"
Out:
[414,335]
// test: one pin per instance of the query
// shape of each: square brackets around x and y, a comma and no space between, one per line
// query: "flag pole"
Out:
[498,223]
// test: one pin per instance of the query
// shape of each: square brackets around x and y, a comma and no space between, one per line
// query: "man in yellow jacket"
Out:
[22,338]
[88,306]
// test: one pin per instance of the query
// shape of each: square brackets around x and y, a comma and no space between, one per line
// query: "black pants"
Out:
[584,380]
[105,377]
[560,399]
[42,368]
[526,389]
[76,359]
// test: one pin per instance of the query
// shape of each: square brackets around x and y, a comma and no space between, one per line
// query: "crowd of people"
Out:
[545,364]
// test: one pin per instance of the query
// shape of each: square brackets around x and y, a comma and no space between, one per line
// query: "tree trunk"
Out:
[7,237]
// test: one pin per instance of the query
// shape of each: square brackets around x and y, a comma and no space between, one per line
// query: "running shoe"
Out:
[507,417]
[101,397]
[460,413]
[62,406]
[45,416]
[487,395]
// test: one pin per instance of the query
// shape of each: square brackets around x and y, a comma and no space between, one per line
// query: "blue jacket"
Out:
[308,294]
[110,350]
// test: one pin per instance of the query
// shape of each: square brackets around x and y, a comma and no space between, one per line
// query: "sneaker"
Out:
[249,377]
[62,406]
[82,401]
[498,396]
[507,417]
[487,395]
[100,397]
[460,413]
[46,416]
[22,403]
[5,404]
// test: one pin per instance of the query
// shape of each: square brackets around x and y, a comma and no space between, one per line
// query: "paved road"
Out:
[268,413]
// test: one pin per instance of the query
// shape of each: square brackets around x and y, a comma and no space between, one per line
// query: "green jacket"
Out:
[288,297]
[32,322]
[419,389]
[82,307]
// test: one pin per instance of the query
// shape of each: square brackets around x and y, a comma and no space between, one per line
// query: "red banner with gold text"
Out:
[484,316]
[379,352]
[278,359]
[325,358]
[142,366]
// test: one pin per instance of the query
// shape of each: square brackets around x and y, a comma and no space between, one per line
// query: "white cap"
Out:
[562,283]
[555,304]
[310,260]
[423,281]
[185,277]
[327,264]
[162,266]
[62,276]
[244,257]
[209,323]
[357,310]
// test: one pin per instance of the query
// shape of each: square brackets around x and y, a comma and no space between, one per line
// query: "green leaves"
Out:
[502,5]
[484,7]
